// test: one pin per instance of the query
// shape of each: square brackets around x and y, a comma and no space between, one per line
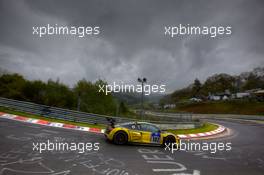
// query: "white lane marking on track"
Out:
[181,167]
[195,172]
[157,157]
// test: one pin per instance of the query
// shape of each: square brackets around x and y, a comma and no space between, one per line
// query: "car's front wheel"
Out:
[120,138]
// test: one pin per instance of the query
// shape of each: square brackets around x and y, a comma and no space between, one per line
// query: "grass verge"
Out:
[11,111]
[206,127]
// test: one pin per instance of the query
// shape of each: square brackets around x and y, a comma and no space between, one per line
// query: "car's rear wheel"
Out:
[120,138]
[169,140]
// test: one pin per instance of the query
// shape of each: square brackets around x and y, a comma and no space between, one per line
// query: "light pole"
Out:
[142,81]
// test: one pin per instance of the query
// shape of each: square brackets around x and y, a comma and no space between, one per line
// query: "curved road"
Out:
[18,158]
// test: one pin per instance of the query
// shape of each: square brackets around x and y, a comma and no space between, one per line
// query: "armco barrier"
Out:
[76,116]
[58,113]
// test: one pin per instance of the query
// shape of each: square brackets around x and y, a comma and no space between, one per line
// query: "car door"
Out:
[150,134]
[135,133]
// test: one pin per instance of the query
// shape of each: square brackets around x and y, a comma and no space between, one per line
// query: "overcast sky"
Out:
[132,42]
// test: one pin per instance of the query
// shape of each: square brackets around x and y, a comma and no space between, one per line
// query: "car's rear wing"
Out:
[111,121]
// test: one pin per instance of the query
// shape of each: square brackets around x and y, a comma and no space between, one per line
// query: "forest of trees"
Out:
[55,93]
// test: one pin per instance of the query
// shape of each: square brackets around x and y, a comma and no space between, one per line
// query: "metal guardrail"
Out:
[229,116]
[82,117]
[180,117]
[58,113]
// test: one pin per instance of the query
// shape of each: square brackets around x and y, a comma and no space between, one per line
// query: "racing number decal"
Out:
[155,137]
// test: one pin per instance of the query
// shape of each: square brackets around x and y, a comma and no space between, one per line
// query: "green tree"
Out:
[181,94]
[55,93]
[253,82]
[92,100]
[218,83]
[58,94]
[11,86]
[196,87]
[123,108]
[34,91]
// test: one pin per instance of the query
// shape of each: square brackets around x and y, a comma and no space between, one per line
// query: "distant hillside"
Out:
[128,98]
[135,98]
[219,83]
[223,107]
[258,72]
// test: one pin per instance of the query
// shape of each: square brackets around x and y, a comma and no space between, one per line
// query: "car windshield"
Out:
[128,125]
[149,128]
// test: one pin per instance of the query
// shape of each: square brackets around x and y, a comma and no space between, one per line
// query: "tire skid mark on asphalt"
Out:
[13,137]
[17,161]
[50,131]
[25,161]
[260,162]
[205,155]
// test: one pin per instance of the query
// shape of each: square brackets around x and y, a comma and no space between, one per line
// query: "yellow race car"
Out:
[139,132]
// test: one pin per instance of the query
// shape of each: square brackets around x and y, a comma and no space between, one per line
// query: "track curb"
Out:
[219,130]
[48,123]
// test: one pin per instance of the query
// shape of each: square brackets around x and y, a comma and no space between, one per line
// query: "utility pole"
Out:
[142,81]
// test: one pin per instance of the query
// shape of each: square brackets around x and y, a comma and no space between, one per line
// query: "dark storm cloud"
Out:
[132,41]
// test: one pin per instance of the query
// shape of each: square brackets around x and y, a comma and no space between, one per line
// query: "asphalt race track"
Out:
[18,158]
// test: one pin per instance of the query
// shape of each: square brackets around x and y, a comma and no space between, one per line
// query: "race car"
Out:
[139,132]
